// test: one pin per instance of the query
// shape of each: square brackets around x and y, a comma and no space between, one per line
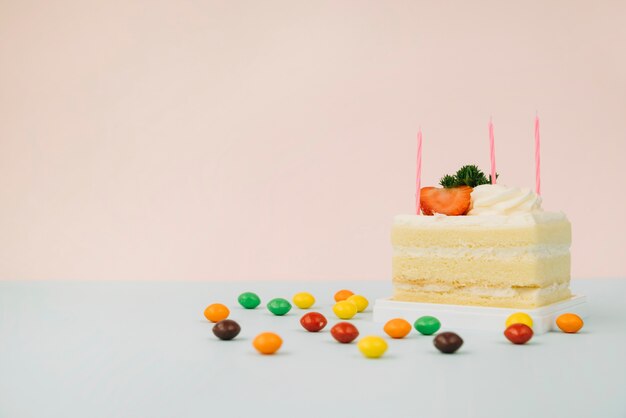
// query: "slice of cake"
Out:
[505,251]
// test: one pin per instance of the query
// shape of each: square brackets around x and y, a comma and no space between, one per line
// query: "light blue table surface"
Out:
[143,349]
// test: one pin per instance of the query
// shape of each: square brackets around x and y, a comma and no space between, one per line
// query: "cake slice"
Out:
[483,244]
[516,260]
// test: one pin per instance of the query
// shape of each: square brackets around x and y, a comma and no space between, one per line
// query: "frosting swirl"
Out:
[496,199]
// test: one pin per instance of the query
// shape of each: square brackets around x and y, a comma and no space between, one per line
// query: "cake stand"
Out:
[478,318]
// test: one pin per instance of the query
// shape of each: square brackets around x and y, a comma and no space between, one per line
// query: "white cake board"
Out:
[478,318]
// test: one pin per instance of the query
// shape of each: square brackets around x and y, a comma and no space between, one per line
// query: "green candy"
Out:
[249,300]
[279,306]
[427,325]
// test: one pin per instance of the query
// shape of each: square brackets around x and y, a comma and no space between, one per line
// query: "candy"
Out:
[249,300]
[226,329]
[428,325]
[372,346]
[344,309]
[313,321]
[344,332]
[518,333]
[360,301]
[303,300]
[343,295]
[279,306]
[570,323]
[519,318]
[397,328]
[267,342]
[216,312]
[448,342]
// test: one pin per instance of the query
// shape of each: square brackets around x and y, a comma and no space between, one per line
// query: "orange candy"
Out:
[216,312]
[343,295]
[267,342]
[570,323]
[397,328]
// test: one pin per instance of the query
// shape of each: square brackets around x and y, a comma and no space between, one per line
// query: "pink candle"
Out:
[419,171]
[537,158]
[492,150]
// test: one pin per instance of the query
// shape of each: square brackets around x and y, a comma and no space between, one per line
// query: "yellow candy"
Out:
[360,301]
[344,309]
[303,300]
[519,318]
[372,346]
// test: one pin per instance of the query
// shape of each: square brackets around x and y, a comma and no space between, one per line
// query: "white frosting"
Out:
[491,221]
[497,199]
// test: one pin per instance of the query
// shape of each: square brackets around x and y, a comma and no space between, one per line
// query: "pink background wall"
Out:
[276,139]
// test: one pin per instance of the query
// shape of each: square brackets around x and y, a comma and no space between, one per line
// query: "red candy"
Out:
[313,321]
[518,333]
[344,332]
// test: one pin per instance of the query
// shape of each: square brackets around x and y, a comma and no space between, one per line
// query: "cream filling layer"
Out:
[529,251]
[508,292]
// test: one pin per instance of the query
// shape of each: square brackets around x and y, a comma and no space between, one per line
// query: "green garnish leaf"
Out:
[468,175]
[448,181]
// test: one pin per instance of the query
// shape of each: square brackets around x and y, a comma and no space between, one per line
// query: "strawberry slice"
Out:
[452,201]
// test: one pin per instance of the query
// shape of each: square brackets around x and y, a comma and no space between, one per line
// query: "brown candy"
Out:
[448,342]
[226,329]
